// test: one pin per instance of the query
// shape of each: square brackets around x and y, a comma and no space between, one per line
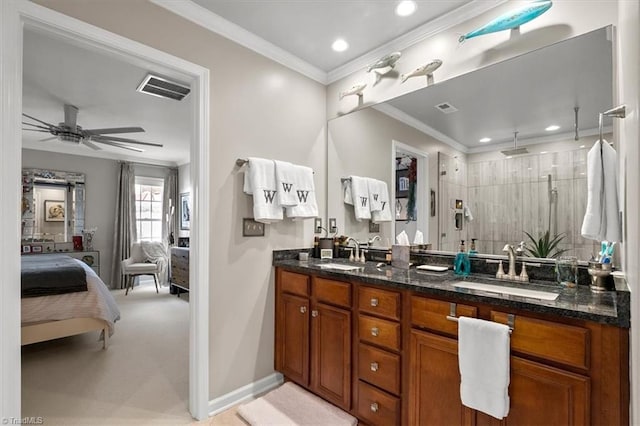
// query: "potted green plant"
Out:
[545,246]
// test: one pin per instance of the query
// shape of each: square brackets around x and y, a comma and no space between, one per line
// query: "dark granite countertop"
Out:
[610,307]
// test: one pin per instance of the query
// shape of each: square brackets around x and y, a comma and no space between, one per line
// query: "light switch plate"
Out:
[317,225]
[333,228]
[374,227]
[251,228]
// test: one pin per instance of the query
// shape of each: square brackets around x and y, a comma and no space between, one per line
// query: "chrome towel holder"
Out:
[511,318]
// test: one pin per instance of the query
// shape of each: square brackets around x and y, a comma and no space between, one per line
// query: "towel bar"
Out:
[343,180]
[511,318]
[242,161]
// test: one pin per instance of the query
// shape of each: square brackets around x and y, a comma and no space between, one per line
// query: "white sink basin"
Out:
[534,294]
[339,266]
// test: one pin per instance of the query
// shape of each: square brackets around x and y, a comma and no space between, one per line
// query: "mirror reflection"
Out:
[497,192]
[52,205]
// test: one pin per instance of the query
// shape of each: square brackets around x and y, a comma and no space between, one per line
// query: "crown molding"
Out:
[409,120]
[429,29]
[227,29]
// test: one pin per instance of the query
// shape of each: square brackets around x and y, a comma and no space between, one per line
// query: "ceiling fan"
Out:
[69,131]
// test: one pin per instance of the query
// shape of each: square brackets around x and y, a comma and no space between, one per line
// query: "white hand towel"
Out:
[360,194]
[346,188]
[402,239]
[419,238]
[483,359]
[260,181]
[467,214]
[305,191]
[375,198]
[601,219]
[384,214]
[286,183]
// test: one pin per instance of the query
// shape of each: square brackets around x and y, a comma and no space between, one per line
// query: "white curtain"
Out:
[125,224]
[169,207]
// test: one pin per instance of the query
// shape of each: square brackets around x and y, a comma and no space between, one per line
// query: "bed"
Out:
[61,315]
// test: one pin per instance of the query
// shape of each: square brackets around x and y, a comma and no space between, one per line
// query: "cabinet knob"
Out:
[374,301]
[303,309]
[314,313]
[375,331]
[374,366]
[374,407]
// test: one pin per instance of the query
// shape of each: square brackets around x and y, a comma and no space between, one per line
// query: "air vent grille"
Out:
[446,108]
[158,86]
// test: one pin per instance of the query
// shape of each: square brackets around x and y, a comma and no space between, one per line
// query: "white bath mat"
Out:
[291,405]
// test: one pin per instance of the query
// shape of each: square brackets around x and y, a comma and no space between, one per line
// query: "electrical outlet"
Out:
[333,228]
[251,228]
[317,225]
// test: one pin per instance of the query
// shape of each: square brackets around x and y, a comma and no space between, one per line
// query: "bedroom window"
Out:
[149,192]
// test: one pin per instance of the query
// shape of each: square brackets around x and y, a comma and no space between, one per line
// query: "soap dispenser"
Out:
[461,264]
[473,250]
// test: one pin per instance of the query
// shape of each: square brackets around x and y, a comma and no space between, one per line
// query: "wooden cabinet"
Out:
[180,267]
[313,335]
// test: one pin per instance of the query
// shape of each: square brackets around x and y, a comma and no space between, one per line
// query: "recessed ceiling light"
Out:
[485,140]
[340,45]
[552,128]
[543,152]
[406,8]
[581,146]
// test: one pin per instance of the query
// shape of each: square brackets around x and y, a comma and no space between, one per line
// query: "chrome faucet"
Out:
[373,240]
[511,252]
[357,256]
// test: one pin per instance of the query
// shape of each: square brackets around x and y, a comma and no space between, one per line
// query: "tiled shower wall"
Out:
[509,196]
[452,183]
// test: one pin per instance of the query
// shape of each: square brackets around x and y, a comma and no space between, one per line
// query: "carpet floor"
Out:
[142,378]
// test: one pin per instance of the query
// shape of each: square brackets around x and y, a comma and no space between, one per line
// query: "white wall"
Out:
[100,196]
[258,108]
[184,185]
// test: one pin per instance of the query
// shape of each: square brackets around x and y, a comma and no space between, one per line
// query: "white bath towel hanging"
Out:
[375,196]
[601,219]
[360,196]
[483,359]
[305,191]
[346,190]
[286,175]
[384,213]
[260,181]
[467,213]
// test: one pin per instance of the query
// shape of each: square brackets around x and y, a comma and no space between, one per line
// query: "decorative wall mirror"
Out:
[53,205]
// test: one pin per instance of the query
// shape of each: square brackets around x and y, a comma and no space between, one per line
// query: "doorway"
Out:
[15,16]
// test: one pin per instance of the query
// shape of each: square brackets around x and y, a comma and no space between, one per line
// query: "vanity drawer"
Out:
[293,283]
[379,302]
[432,314]
[332,292]
[566,344]
[380,368]
[377,407]
[379,332]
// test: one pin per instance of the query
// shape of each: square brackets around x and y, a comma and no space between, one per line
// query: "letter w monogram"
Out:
[287,186]
[363,200]
[302,196]
[269,196]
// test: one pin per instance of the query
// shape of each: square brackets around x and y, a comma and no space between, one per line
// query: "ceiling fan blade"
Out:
[40,121]
[70,116]
[132,141]
[37,130]
[113,130]
[118,145]
[36,125]
[48,139]
[91,145]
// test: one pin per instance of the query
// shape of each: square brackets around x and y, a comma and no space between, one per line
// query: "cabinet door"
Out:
[542,395]
[292,344]
[434,381]
[331,354]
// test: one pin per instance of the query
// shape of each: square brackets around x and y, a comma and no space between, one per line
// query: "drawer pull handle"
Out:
[314,313]
[374,407]
[374,301]
[303,309]
[375,331]
[374,366]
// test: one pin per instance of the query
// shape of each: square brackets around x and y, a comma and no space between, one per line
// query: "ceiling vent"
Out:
[163,88]
[446,108]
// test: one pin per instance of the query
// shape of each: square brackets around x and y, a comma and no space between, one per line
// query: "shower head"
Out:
[515,150]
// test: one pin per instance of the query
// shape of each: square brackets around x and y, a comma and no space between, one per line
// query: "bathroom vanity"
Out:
[381,343]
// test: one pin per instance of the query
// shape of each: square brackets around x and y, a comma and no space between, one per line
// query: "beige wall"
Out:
[258,108]
[100,195]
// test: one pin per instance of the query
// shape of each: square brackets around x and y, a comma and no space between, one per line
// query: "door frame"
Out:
[15,15]
[422,203]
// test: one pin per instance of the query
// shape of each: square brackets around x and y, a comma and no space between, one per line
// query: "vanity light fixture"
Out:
[485,140]
[552,128]
[406,8]
[340,45]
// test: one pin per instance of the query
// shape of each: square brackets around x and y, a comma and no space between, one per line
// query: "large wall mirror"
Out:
[485,191]
[53,205]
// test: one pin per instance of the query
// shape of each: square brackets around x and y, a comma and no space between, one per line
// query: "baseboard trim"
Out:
[245,393]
